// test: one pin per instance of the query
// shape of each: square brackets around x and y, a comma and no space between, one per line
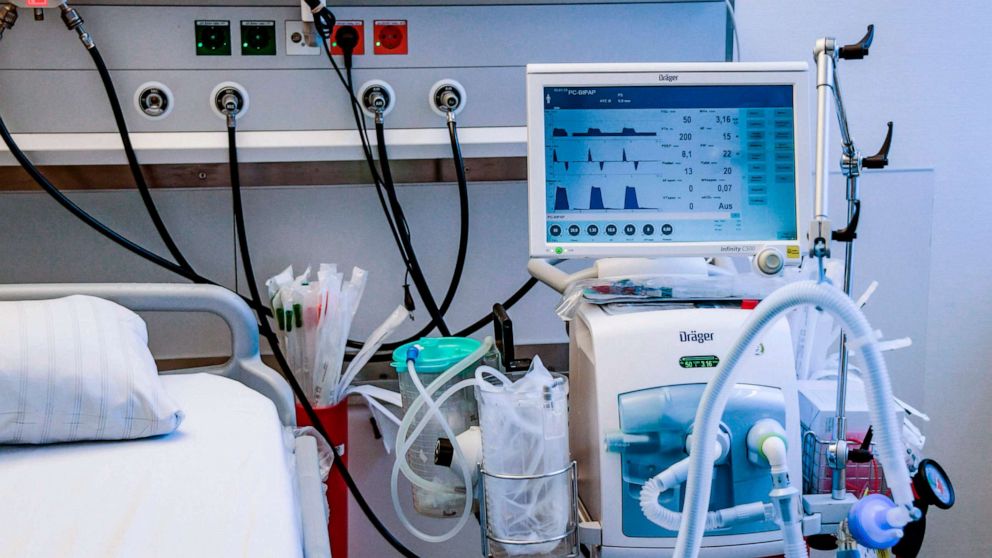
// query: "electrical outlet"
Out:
[359,26]
[258,38]
[391,36]
[213,38]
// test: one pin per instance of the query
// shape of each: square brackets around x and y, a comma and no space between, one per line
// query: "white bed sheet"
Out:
[222,485]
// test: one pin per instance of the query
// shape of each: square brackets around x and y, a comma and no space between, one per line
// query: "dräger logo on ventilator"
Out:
[695,336]
[668,77]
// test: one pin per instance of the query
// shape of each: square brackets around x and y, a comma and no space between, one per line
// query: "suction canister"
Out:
[436,355]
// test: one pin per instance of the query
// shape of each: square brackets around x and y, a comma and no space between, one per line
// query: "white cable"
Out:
[733,22]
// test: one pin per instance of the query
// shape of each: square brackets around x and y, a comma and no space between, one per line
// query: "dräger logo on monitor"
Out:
[695,336]
[668,77]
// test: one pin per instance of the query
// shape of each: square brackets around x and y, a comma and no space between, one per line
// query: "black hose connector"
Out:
[74,22]
[444,453]
[8,17]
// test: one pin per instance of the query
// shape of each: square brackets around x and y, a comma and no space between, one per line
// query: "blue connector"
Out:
[870,524]
[412,353]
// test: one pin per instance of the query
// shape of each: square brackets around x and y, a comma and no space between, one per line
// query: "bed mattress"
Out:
[222,485]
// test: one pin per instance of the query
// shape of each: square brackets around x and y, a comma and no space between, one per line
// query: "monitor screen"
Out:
[656,164]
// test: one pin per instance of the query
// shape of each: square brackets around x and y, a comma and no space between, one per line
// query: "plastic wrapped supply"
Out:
[525,433]
[665,288]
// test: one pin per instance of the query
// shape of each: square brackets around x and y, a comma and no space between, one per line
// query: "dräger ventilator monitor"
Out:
[653,161]
[675,159]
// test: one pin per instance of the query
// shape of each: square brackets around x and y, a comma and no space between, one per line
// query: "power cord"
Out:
[347,39]
[416,272]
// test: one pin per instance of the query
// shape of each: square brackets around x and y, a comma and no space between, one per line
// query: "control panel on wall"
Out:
[170,60]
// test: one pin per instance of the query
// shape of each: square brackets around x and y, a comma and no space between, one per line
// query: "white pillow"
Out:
[78,368]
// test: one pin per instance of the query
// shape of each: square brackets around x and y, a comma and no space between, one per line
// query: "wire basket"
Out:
[862,478]
[568,541]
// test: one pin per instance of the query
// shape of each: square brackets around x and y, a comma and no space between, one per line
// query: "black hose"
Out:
[346,81]
[105,231]
[463,208]
[88,219]
[356,112]
[416,272]
[132,160]
[460,260]
[267,332]
[456,276]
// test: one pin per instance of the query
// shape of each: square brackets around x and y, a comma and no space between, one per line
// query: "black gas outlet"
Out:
[213,38]
[258,38]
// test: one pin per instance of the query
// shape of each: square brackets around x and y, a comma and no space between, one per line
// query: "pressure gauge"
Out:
[933,486]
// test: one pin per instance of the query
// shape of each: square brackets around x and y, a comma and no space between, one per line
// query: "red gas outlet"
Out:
[391,36]
[359,26]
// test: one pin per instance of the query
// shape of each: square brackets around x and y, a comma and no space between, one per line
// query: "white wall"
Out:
[928,72]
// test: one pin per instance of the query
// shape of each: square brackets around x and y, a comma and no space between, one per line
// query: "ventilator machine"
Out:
[684,411]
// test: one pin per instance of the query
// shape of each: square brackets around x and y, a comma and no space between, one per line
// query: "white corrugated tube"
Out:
[714,401]
[670,519]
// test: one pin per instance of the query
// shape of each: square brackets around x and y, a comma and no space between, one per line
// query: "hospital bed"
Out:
[233,480]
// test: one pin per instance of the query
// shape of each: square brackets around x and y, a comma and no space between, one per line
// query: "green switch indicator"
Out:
[258,38]
[213,38]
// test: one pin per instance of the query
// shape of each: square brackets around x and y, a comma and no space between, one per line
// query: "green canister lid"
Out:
[437,354]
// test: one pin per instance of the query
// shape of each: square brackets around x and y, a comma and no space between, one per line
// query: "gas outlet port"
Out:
[227,97]
[447,96]
[154,100]
[377,96]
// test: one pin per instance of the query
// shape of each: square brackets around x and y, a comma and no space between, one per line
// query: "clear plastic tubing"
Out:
[403,444]
[459,457]
[410,413]
[714,401]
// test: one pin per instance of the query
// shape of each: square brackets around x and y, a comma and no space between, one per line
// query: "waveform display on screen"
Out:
[601,163]
[598,133]
[596,202]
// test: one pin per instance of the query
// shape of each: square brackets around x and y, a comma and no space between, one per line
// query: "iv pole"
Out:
[852,161]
